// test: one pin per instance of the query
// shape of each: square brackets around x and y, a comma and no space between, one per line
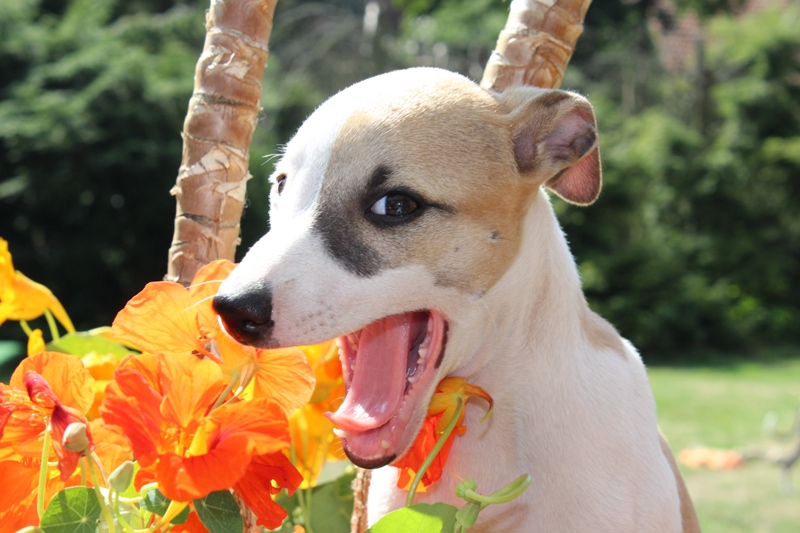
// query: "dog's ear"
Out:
[555,141]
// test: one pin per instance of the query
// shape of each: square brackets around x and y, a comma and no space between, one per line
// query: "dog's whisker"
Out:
[193,285]
[199,302]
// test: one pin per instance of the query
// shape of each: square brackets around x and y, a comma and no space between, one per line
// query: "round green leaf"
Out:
[157,503]
[220,513]
[419,518]
[73,510]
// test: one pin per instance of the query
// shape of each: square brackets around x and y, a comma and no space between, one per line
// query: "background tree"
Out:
[692,244]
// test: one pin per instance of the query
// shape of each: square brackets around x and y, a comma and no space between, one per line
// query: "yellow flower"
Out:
[101,368]
[313,440]
[24,299]
[446,399]
[35,342]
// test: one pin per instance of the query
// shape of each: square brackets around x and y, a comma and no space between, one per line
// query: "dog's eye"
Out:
[394,205]
[281,181]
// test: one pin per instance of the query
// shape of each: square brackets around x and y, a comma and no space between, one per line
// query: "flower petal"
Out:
[204,286]
[23,425]
[313,442]
[66,375]
[18,497]
[236,432]
[133,402]
[36,342]
[190,387]
[283,376]
[255,487]
[110,445]
[160,319]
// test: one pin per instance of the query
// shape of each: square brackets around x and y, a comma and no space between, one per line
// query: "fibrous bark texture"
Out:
[358,521]
[536,44]
[223,111]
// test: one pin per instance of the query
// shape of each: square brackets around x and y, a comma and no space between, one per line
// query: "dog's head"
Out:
[397,205]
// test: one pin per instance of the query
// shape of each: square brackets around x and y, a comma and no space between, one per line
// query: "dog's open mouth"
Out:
[388,367]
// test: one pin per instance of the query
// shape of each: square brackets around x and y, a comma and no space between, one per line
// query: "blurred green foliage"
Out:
[693,243]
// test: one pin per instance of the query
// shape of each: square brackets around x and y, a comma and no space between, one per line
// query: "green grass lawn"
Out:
[724,407]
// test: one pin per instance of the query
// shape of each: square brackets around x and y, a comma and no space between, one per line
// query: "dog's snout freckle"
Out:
[494,236]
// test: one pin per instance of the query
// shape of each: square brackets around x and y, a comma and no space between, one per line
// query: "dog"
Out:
[410,219]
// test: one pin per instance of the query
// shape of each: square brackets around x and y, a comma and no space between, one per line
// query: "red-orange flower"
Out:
[164,406]
[167,318]
[441,411]
[61,416]
[47,388]
[256,487]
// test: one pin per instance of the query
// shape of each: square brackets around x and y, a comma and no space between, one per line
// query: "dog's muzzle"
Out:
[246,314]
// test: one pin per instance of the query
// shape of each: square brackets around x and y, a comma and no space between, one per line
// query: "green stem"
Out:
[147,488]
[102,470]
[25,327]
[434,452]
[43,472]
[305,506]
[228,388]
[103,507]
[124,523]
[51,322]
[83,474]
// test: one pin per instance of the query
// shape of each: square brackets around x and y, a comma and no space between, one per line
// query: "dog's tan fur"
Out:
[573,406]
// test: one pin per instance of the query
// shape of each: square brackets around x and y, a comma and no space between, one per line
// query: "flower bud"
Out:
[464,486]
[121,477]
[75,437]
[467,515]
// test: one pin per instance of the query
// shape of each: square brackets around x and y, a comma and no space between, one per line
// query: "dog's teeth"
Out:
[353,338]
[385,444]
[339,433]
[423,352]
[413,378]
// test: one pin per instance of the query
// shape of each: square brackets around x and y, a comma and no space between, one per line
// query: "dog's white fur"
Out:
[573,407]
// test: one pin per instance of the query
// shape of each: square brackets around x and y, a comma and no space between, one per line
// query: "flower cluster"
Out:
[198,412]
[167,403]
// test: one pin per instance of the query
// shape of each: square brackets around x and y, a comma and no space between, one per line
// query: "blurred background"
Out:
[692,251]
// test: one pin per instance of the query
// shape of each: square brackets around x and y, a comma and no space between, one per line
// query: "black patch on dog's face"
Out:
[340,221]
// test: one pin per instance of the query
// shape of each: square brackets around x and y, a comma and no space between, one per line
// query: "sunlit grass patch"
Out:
[724,407]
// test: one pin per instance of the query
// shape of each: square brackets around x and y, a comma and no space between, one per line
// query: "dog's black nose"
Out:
[247,314]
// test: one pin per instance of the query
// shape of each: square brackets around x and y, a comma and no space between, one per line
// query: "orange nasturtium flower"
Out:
[440,412]
[167,318]
[24,299]
[165,405]
[313,440]
[47,392]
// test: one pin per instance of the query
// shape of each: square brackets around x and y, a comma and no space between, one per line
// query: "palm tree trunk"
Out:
[223,110]
[536,44]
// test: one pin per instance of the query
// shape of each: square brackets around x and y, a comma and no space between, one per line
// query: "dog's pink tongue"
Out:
[379,377]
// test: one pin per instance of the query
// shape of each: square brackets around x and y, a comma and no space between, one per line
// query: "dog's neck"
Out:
[531,311]
[573,407]
[528,341]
